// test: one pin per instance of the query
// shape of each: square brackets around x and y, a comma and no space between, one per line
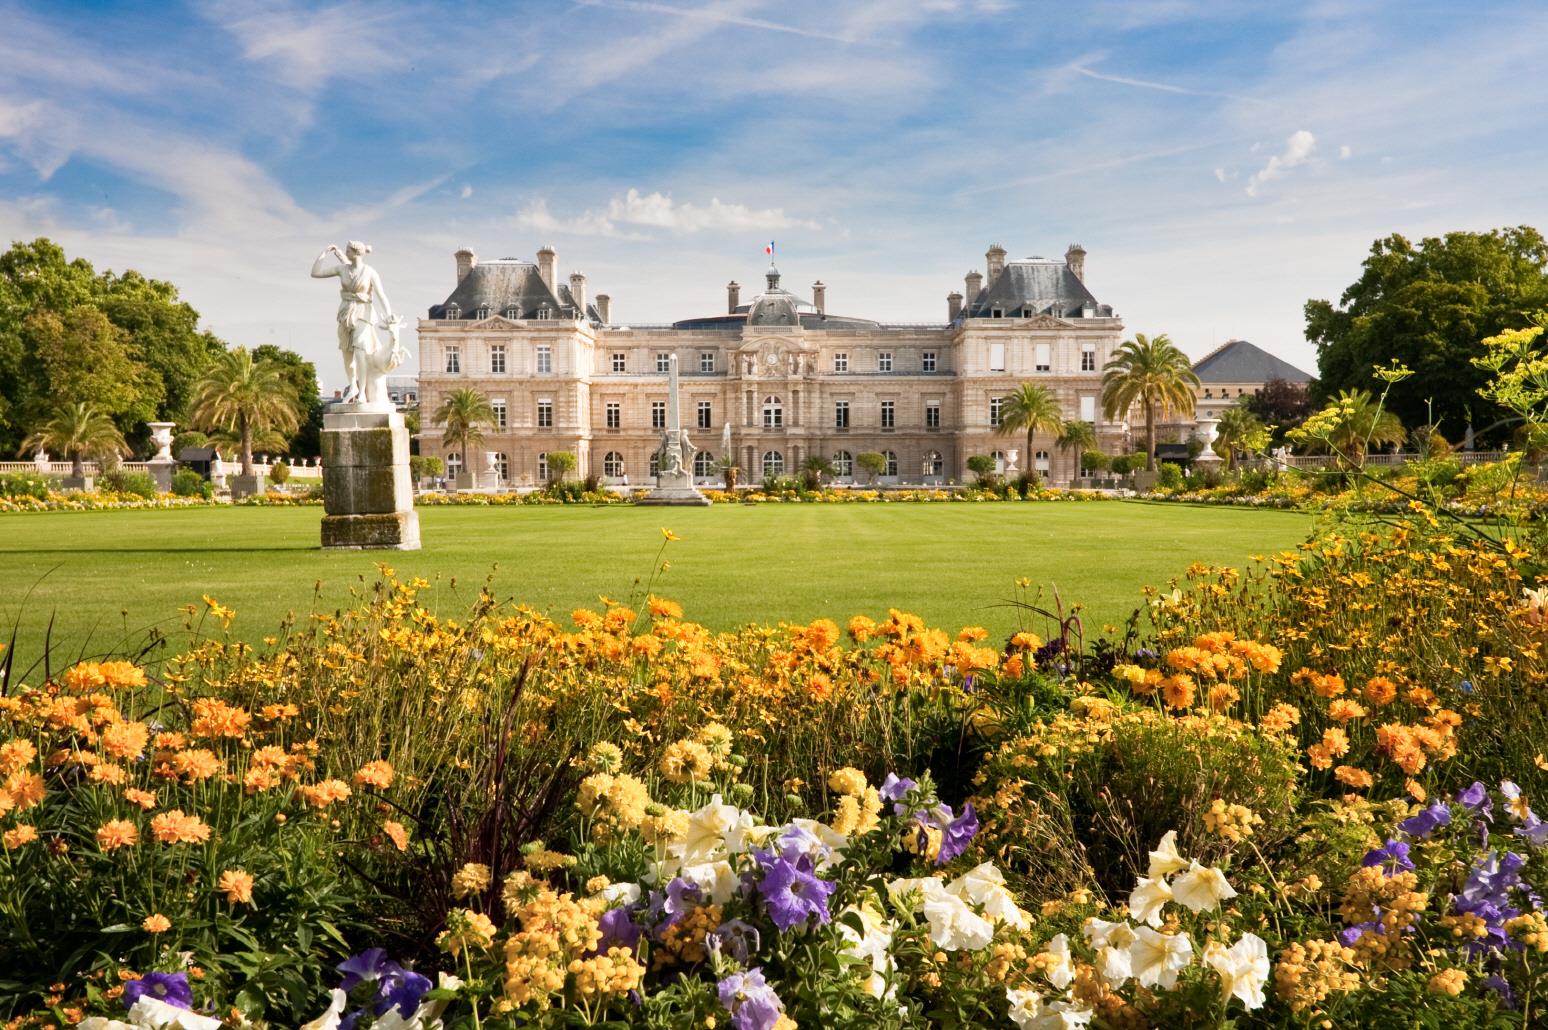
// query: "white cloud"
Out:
[1298,148]
[1344,152]
[306,46]
[1220,175]
[658,211]
[467,191]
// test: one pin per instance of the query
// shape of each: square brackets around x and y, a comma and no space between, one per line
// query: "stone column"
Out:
[368,493]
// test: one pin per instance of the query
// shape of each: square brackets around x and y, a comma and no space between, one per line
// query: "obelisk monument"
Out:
[674,461]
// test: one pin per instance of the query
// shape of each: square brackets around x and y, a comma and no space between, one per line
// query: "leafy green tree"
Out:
[83,358]
[301,374]
[872,463]
[1240,431]
[1154,373]
[559,464]
[1349,426]
[1428,306]
[246,397]
[164,335]
[462,417]
[1031,409]
[982,466]
[1077,435]
[1282,405]
[813,469]
[79,432]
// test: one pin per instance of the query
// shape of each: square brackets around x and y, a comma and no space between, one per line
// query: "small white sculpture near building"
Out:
[162,463]
[1207,432]
[674,480]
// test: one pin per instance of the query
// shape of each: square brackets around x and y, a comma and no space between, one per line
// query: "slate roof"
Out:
[1036,286]
[507,285]
[1237,361]
[776,306]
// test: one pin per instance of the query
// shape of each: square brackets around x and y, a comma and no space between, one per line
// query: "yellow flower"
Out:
[157,923]
[117,833]
[396,833]
[378,774]
[847,780]
[174,827]
[669,534]
[18,835]
[238,886]
[473,878]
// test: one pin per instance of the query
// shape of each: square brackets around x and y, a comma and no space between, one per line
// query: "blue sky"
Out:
[1221,162]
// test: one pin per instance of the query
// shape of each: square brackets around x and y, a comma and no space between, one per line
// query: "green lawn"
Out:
[107,577]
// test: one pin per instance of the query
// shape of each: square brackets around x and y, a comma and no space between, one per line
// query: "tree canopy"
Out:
[1429,306]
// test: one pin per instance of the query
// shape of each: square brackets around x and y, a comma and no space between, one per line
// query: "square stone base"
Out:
[680,497]
[247,486]
[394,531]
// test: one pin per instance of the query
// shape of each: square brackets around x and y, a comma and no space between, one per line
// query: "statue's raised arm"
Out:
[321,271]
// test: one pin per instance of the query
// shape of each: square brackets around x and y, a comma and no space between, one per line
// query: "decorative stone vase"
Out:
[161,436]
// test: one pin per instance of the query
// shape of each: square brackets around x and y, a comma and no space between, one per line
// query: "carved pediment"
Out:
[1047,322]
[497,322]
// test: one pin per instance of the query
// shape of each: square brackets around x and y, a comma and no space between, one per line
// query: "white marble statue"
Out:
[361,297]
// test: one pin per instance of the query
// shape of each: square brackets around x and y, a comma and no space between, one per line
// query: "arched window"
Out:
[613,465]
[773,413]
[453,464]
[703,464]
[843,464]
[933,464]
[1041,464]
[773,463]
[892,463]
[542,471]
[999,462]
[502,466]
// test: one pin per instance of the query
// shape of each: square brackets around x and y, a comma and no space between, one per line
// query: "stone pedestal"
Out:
[675,490]
[162,472]
[247,486]
[368,491]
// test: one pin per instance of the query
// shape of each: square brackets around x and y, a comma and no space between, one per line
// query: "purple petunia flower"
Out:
[171,988]
[1477,801]
[681,897]
[958,834]
[792,893]
[400,989]
[619,930]
[1392,857]
[1349,935]
[1499,985]
[366,967]
[893,788]
[735,939]
[1421,826]
[750,1000]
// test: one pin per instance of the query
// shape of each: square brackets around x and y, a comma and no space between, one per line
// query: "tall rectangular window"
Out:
[1043,360]
[663,362]
[545,414]
[706,415]
[618,362]
[996,406]
[545,359]
[1088,408]
[997,357]
[840,414]
[614,415]
[884,361]
[706,361]
[932,414]
[658,414]
[927,361]
[453,358]
[497,359]
[498,407]
[1088,357]
[841,362]
[888,414]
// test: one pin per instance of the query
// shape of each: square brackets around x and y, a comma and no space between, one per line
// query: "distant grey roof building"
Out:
[1237,361]
[1036,286]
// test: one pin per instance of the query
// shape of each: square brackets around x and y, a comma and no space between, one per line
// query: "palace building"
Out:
[778,375]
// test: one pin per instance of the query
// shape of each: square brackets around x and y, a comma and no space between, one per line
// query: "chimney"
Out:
[733,296]
[953,305]
[548,267]
[994,262]
[605,308]
[466,259]
[1075,257]
[974,286]
[820,297]
[578,291]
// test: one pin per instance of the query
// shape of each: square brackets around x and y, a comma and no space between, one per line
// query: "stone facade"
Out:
[791,379]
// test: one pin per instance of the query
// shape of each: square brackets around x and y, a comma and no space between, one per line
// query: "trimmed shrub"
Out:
[279,473]
[188,483]
[1169,476]
[140,484]
[24,484]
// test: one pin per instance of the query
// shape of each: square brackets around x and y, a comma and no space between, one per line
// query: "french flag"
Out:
[769,249]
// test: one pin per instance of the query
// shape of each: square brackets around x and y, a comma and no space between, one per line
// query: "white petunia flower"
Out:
[1201,887]
[715,831]
[1165,858]
[984,886]
[1157,958]
[873,946]
[1243,968]
[328,1020]
[1147,900]
[1111,942]
[1028,1012]
[953,925]
[1061,972]
[717,880]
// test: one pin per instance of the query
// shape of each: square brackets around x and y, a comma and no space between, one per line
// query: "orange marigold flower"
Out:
[85,676]
[1177,691]
[972,633]
[125,739]
[862,628]
[274,713]
[146,799]
[156,923]
[325,793]
[174,827]
[661,608]
[196,764]
[25,790]
[378,774]
[1350,776]
[1379,690]
[1344,709]
[121,674]
[16,754]
[18,835]
[238,886]
[396,833]
[1336,741]
[260,778]
[1025,641]
[117,833]
[108,773]
[214,718]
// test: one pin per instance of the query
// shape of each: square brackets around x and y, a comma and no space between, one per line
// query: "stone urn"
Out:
[1207,431]
[161,436]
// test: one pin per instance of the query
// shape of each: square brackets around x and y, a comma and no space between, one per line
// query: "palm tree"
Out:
[1239,430]
[1079,436]
[1032,408]
[1359,422]
[462,416]
[78,431]
[1155,373]
[246,398]
[813,469]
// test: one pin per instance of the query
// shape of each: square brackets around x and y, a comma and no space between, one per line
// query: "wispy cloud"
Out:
[1161,87]
[718,15]
[658,211]
[1298,149]
[307,45]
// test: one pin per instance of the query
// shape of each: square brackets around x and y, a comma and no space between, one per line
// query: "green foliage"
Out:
[188,483]
[1281,405]
[1095,461]
[872,463]
[79,432]
[1154,373]
[1349,426]
[279,472]
[462,416]
[1428,306]
[301,374]
[1241,431]
[1169,476]
[560,463]
[140,484]
[1032,409]
[1123,464]
[244,395]
[425,466]
[24,484]
[982,466]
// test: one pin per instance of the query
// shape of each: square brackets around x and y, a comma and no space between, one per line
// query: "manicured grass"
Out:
[106,578]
